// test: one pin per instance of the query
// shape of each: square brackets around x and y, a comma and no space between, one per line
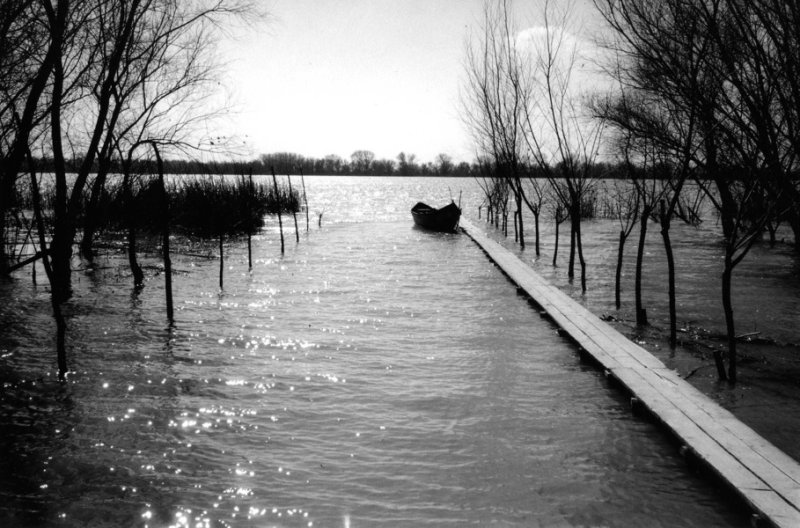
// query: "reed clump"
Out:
[202,207]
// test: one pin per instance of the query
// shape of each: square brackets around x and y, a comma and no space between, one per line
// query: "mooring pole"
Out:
[278,201]
[221,260]
[165,234]
[305,197]
[250,212]
[294,213]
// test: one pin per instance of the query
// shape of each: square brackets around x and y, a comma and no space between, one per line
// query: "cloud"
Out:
[571,51]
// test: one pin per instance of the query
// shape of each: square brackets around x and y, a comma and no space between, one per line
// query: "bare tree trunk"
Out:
[794,223]
[673,324]
[61,324]
[772,228]
[555,249]
[305,196]
[536,226]
[249,236]
[63,227]
[91,213]
[571,266]
[294,212]
[727,307]
[618,276]
[516,227]
[130,213]
[580,255]
[6,192]
[641,313]
[518,197]
[728,219]
[165,235]
[90,216]
[278,201]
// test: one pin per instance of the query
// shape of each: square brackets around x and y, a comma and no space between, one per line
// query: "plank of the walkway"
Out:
[766,478]
[776,465]
[755,476]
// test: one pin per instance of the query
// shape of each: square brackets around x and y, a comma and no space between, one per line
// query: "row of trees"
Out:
[290,163]
[364,162]
[700,91]
[522,107]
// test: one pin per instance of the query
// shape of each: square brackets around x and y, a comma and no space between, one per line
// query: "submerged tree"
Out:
[497,94]
[75,100]
[625,206]
[563,140]
[27,57]
[720,69]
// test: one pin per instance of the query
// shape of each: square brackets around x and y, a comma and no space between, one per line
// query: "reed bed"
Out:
[198,206]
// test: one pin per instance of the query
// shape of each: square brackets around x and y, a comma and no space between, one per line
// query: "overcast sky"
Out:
[334,76]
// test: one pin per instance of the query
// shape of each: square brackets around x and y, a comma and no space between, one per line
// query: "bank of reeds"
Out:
[209,207]
[199,206]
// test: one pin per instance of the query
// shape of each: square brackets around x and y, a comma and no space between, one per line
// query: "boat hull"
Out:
[444,219]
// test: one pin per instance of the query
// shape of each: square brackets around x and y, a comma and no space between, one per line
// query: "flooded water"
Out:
[374,375]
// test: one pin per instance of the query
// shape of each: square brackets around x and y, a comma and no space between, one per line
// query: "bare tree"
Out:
[714,74]
[499,95]
[104,72]
[444,164]
[362,161]
[169,71]
[625,207]
[533,190]
[494,97]
[562,138]
[27,58]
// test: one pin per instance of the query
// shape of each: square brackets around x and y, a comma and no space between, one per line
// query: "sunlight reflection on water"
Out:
[374,375]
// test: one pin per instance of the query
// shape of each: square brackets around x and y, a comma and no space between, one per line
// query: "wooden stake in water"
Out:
[165,234]
[278,201]
[305,197]
[250,212]
[221,260]
[294,209]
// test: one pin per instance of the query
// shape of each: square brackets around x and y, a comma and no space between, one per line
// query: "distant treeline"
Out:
[359,165]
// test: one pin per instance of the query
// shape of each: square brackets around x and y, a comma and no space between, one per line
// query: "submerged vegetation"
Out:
[199,206]
[205,207]
[697,104]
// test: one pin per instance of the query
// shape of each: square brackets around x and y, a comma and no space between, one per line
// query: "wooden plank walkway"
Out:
[766,478]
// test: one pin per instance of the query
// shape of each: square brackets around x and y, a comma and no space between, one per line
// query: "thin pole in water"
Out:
[278,201]
[221,260]
[305,197]
[165,233]
[250,212]
[294,212]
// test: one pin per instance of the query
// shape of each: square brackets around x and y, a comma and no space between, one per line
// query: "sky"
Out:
[323,77]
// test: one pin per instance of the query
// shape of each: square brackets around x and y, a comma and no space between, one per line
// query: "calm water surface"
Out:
[375,375]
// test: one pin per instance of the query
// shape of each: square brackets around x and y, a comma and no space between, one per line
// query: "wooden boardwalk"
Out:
[766,478]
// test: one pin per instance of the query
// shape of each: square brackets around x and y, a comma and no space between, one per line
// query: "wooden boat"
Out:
[444,219]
